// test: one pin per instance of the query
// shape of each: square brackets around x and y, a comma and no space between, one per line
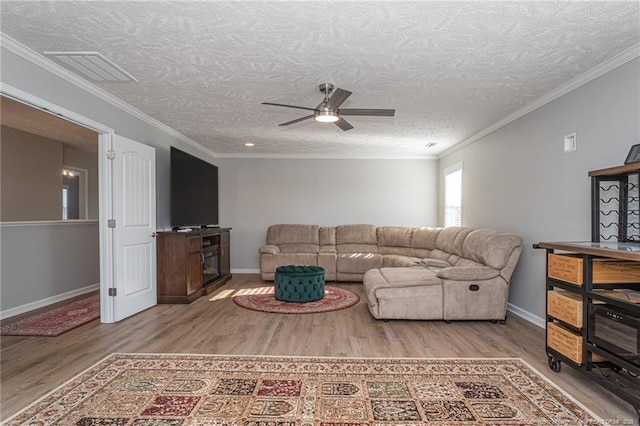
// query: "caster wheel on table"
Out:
[554,364]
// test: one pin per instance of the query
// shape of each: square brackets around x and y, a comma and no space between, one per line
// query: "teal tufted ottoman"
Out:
[299,283]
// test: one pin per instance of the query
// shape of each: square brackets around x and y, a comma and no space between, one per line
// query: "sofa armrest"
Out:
[269,249]
[468,273]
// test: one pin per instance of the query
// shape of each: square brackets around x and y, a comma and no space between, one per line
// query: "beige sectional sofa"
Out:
[451,273]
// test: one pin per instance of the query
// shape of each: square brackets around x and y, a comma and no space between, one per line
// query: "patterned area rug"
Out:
[56,321]
[262,299]
[145,389]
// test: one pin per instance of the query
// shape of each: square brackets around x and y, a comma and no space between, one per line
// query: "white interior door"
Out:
[134,211]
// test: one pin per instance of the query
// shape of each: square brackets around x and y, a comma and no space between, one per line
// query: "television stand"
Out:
[192,263]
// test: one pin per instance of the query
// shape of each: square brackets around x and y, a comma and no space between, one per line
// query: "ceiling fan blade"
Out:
[288,106]
[373,112]
[296,120]
[338,98]
[343,124]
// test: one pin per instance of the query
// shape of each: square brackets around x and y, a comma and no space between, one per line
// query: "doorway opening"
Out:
[83,194]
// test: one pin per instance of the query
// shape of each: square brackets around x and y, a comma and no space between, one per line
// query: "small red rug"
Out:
[263,299]
[56,321]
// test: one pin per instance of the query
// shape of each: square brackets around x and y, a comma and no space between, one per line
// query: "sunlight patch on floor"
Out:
[224,294]
[232,292]
[258,290]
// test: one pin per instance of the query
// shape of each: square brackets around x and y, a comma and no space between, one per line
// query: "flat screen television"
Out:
[194,191]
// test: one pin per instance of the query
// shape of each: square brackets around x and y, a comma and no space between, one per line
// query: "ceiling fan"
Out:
[329,111]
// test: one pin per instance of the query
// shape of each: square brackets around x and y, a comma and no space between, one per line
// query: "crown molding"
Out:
[324,157]
[41,61]
[618,60]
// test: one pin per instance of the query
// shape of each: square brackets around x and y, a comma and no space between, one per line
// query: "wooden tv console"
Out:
[192,264]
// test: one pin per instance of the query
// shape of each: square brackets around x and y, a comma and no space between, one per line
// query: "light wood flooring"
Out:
[33,366]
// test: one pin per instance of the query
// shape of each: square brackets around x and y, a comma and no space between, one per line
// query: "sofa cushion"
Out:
[293,234]
[356,234]
[399,251]
[327,235]
[299,248]
[356,239]
[434,262]
[269,263]
[450,239]
[409,276]
[394,236]
[451,259]
[396,240]
[358,263]
[398,261]
[424,238]
[401,293]
[384,278]
[393,282]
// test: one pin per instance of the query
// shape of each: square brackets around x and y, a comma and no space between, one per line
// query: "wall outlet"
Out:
[570,143]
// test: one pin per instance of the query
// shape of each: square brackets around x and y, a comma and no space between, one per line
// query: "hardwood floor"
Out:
[32,367]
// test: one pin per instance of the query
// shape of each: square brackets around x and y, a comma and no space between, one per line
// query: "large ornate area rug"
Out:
[263,299]
[198,390]
[56,321]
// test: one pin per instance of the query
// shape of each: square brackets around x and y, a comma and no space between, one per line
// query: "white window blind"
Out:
[453,195]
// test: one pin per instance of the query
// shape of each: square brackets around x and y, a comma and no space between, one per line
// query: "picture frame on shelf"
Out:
[634,155]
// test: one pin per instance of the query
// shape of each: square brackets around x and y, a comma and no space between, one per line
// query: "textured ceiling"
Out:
[450,69]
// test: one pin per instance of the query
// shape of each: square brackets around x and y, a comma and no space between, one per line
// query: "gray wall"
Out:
[43,260]
[30,177]
[518,178]
[256,193]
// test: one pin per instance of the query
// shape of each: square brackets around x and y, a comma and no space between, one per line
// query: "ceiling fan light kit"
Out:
[326,115]
[328,111]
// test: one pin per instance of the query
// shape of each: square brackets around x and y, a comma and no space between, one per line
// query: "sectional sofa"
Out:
[454,273]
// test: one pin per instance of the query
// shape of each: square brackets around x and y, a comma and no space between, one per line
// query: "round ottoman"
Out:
[299,283]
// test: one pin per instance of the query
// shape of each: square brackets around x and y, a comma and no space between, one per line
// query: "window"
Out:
[65,197]
[74,193]
[453,195]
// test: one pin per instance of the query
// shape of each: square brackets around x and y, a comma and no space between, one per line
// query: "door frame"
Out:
[105,188]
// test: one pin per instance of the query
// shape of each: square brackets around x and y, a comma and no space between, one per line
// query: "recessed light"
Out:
[249,144]
[431,144]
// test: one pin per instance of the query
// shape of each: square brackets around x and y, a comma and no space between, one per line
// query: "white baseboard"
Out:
[245,271]
[534,319]
[48,301]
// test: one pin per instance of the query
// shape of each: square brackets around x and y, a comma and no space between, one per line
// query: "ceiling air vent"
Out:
[91,65]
